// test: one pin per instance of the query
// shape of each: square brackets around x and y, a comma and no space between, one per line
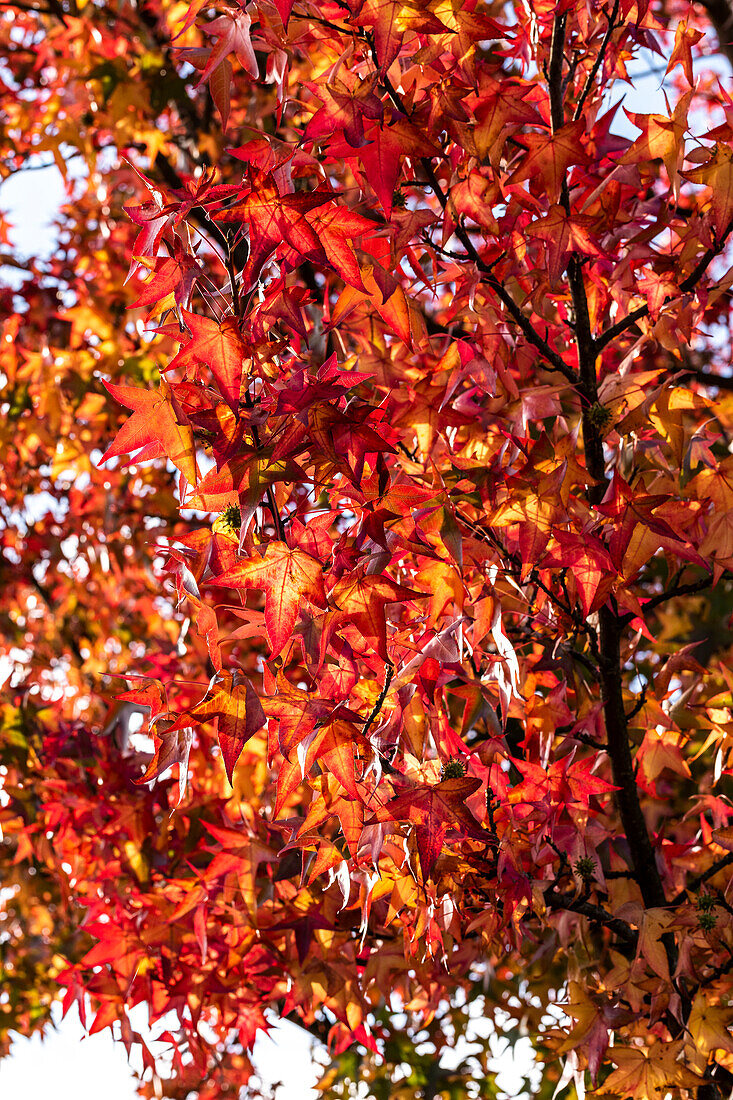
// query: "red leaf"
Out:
[156,425]
[286,577]
[233,703]
[220,347]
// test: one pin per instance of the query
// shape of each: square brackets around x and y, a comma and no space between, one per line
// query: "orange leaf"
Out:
[156,426]
[233,703]
[286,577]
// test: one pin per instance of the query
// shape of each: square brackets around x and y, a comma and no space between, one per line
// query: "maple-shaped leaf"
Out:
[549,156]
[659,751]
[287,577]
[363,599]
[174,738]
[563,235]
[433,809]
[393,307]
[717,174]
[232,34]
[709,1025]
[281,305]
[304,225]
[589,562]
[239,853]
[213,548]
[345,438]
[347,102]
[157,427]
[153,219]
[304,927]
[244,479]
[391,19]
[329,803]
[334,747]
[150,694]
[199,190]
[386,145]
[220,346]
[503,105]
[275,221]
[685,37]
[536,513]
[592,1028]
[336,227]
[662,138]
[298,713]
[647,1071]
[234,705]
[171,283]
[475,198]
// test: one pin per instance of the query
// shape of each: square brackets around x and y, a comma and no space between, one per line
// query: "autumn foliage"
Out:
[367,540]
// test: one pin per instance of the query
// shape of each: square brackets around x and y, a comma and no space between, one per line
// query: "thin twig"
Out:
[380,699]
[699,880]
[598,62]
[670,594]
[686,285]
[521,319]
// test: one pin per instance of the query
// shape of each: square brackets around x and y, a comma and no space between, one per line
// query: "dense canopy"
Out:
[367,532]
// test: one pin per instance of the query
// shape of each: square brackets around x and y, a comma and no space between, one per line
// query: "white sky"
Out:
[67,1065]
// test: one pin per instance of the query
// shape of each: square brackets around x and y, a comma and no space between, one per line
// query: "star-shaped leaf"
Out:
[717,173]
[156,427]
[549,156]
[433,810]
[221,347]
[287,577]
[232,703]
[363,600]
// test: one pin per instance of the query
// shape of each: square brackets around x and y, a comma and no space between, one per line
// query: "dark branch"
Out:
[700,880]
[597,63]
[380,699]
[595,913]
[685,287]
[514,310]
[675,590]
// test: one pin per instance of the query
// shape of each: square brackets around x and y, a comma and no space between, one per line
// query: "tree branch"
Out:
[685,286]
[708,378]
[595,913]
[700,880]
[597,63]
[610,624]
[554,72]
[675,590]
[380,699]
[515,311]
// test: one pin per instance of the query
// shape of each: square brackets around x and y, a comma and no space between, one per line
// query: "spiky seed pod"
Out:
[453,769]
[585,868]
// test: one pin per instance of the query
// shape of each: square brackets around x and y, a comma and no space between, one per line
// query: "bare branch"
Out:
[699,880]
[685,287]
[598,62]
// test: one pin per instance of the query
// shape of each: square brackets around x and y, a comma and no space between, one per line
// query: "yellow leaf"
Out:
[646,1072]
[708,1025]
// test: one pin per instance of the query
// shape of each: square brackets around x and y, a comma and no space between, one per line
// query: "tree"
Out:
[367,540]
